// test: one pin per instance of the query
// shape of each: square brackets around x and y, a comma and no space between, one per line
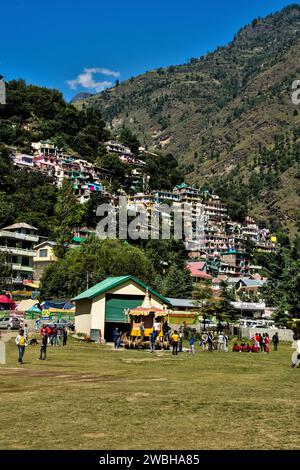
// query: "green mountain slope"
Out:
[221,114]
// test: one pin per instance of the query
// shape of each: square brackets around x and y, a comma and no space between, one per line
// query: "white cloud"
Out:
[86,79]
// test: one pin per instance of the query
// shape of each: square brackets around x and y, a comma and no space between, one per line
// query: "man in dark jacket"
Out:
[275,340]
[153,337]
[43,347]
[116,335]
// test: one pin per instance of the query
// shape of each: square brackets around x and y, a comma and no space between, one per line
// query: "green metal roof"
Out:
[110,283]
[79,239]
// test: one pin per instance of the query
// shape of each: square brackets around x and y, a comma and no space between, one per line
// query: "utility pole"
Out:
[87,280]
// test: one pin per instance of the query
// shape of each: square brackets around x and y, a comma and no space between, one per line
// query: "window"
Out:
[43,253]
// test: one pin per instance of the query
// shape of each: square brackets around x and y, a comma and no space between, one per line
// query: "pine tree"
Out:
[177,283]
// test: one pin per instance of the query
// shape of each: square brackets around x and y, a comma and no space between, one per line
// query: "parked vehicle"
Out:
[10,323]
[60,324]
[256,323]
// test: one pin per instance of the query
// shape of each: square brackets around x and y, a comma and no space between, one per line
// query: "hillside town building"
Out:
[17,242]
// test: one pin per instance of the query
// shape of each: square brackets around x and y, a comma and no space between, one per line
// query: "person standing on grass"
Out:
[49,334]
[43,347]
[192,345]
[203,341]
[267,342]
[44,329]
[180,341]
[38,323]
[54,335]
[58,336]
[220,341]
[119,342]
[261,344]
[275,340]
[264,342]
[175,339]
[100,337]
[226,341]
[153,337]
[210,340]
[116,335]
[65,335]
[21,342]
[256,340]
[166,331]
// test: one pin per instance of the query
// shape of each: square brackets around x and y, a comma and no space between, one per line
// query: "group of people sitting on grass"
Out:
[243,347]
[259,343]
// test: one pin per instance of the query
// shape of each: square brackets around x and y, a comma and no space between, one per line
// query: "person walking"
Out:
[43,347]
[175,339]
[220,341]
[65,336]
[275,340]
[192,345]
[21,342]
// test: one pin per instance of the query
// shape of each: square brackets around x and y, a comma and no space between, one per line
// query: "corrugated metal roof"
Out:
[190,303]
[110,283]
[20,225]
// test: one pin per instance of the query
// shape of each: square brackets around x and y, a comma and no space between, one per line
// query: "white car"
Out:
[10,323]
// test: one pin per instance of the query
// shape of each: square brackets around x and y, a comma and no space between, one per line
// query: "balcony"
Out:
[19,236]
[17,251]
[20,267]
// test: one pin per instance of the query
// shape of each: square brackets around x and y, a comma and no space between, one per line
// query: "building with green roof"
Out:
[103,306]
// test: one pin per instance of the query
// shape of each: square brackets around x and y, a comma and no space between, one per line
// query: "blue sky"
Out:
[83,46]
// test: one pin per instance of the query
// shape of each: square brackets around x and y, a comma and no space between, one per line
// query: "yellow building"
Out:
[44,255]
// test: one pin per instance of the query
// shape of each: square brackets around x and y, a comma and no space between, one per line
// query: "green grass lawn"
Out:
[88,396]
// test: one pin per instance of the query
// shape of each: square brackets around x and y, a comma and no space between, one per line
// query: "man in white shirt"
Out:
[220,341]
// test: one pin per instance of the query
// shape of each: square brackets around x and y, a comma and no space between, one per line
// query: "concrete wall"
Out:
[38,269]
[98,313]
[284,335]
[83,317]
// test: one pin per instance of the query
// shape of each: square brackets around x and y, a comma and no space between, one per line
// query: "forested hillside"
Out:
[227,116]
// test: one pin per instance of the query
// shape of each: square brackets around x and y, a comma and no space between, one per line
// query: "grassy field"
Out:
[88,396]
